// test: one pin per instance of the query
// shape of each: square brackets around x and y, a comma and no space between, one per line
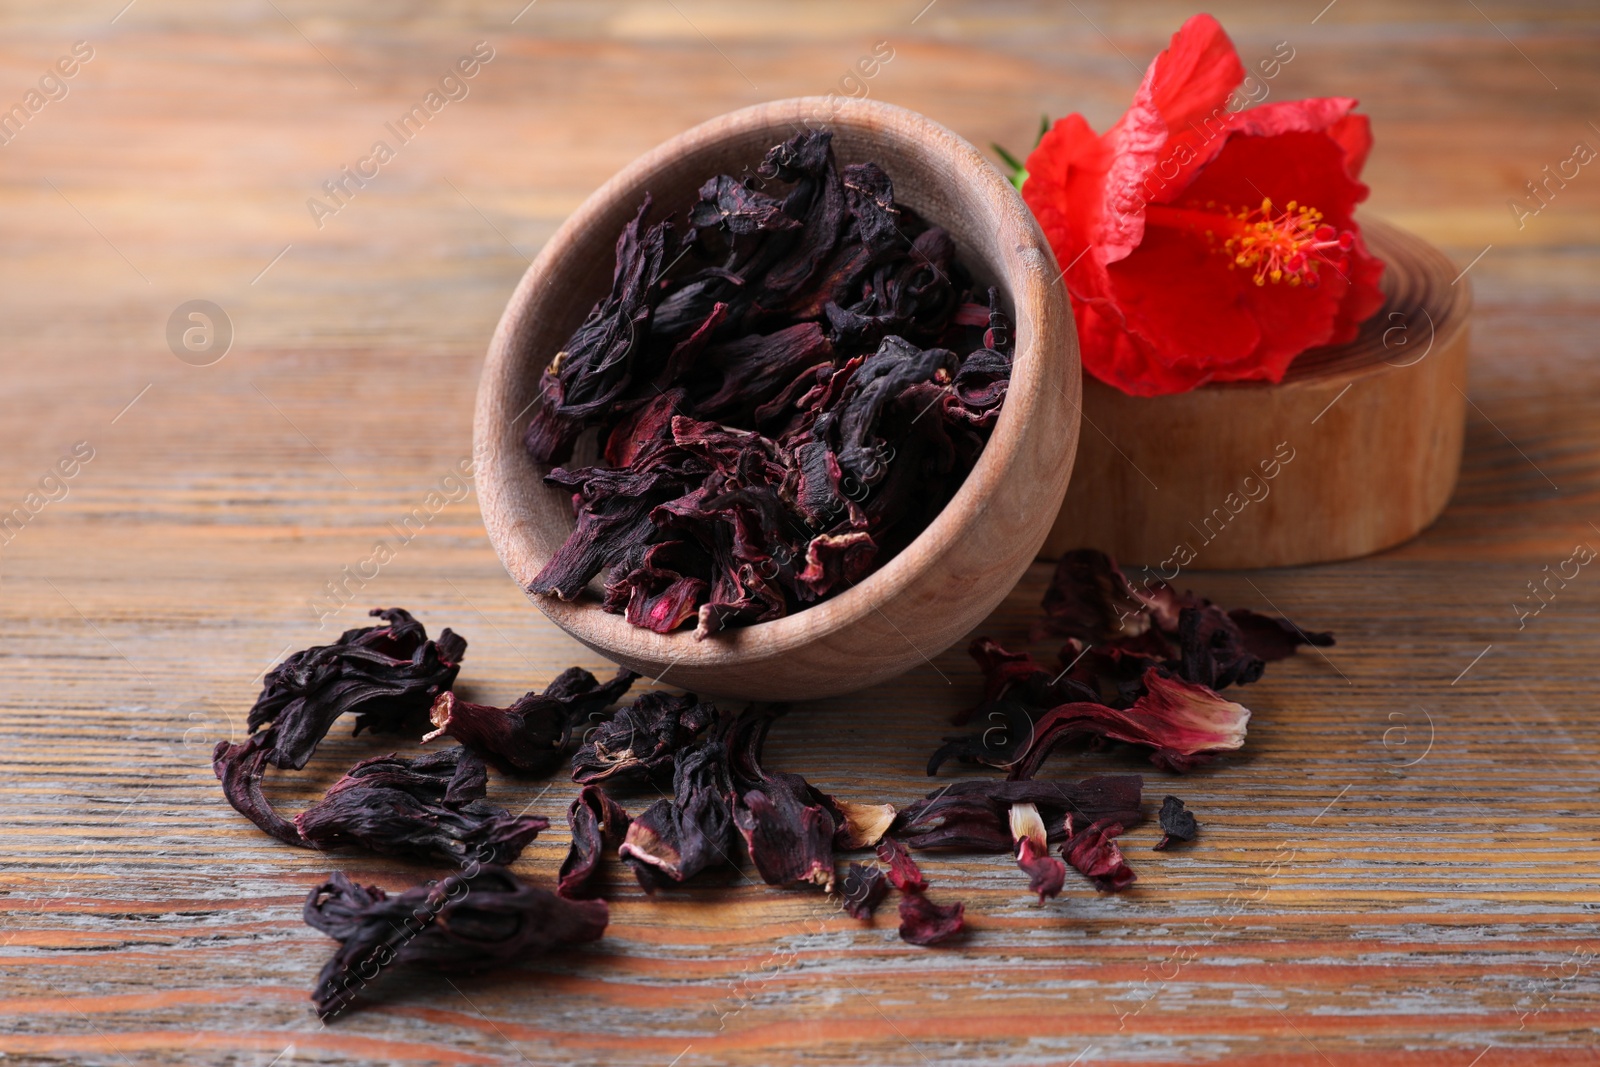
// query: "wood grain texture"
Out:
[1203,481]
[1340,907]
[921,601]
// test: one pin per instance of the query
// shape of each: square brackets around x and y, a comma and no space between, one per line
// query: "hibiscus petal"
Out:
[1197,72]
[1182,723]
[922,922]
[1177,823]
[1093,853]
[863,890]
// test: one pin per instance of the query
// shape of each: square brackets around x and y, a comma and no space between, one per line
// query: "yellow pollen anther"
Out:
[1290,245]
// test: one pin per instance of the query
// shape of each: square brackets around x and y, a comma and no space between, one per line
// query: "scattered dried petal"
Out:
[1183,724]
[788,826]
[1093,853]
[387,675]
[922,922]
[676,839]
[531,736]
[1273,638]
[975,813]
[240,768]
[397,807]
[462,924]
[1177,823]
[598,824]
[1046,874]
[641,741]
[863,890]
[903,870]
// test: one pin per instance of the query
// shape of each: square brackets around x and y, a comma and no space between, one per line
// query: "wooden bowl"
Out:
[943,584]
[1362,443]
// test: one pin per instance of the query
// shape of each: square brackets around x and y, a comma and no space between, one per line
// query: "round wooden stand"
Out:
[1356,450]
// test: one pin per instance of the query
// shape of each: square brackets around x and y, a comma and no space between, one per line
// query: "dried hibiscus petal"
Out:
[863,890]
[1177,823]
[1183,724]
[922,922]
[976,813]
[1046,874]
[397,806]
[603,356]
[598,823]
[641,741]
[860,825]
[781,413]
[531,736]
[462,924]
[1273,638]
[903,870]
[788,827]
[387,675]
[1018,678]
[1093,853]
[673,840]
[1091,601]
[240,768]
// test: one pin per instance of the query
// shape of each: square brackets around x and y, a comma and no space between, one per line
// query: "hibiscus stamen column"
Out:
[1285,245]
[1279,246]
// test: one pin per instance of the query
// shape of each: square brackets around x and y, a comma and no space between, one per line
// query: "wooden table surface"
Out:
[1401,868]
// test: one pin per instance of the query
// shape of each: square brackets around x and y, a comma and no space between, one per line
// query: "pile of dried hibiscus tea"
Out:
[1141,667]
[786,387]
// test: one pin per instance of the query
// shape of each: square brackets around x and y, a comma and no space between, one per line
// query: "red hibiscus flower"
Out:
[1203,242]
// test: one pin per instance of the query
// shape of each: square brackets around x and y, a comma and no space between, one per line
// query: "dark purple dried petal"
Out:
[387,675]
[1089,598]
[240,768]
[659,594]
[903,870]
[598,824]
[862,890]
[397,807]
[788,827]
[739,209]
[870,196]
[1183,724]
[754,369]
[789,840]
[471,780]
[1177,823]
[1212,650]
[922,922]
[1017,677]
[1092,601]
[531,736]
[462,924]
[601,358]
[1273,638]
[1046,874]
[613,509]
[641,741]
[673,840]
[1093,853]
[975,814]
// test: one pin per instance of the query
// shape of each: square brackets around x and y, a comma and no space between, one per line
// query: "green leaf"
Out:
[1018,171]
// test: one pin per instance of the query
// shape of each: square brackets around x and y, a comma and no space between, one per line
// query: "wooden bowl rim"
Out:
[1045,356]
